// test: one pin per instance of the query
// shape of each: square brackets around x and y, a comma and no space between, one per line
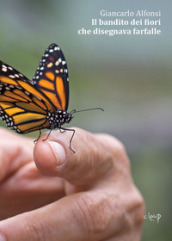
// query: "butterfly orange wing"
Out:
[51,77]
[22,107]
[25,104]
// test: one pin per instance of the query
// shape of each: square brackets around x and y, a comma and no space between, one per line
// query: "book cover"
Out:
[119,58]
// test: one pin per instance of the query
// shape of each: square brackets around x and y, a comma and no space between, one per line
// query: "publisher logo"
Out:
[152,217]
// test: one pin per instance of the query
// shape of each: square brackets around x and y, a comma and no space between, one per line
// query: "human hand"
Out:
[22,186]
[93,192]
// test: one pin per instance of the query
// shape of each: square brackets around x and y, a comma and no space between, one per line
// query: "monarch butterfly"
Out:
[30,105]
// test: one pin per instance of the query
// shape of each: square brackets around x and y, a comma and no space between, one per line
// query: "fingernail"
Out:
[58,152]
[2,238]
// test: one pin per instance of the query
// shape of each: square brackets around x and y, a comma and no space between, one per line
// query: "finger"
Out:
[92,160]
[14,153]
[75,218]
[24,186]
[28,180]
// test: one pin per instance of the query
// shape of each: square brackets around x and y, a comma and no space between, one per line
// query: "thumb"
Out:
[93,157]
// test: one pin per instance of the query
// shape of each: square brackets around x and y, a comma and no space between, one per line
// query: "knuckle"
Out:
[112,144]
[117,152]
[136,207]
[118,147]
[94,214]
[120,155]
[111,152]
[140,209]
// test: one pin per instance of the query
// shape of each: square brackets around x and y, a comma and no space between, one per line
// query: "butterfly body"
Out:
[41,103]
[58,118]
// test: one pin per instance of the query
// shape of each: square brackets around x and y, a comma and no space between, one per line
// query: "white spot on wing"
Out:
[50,65]
[57,63]
[56,48]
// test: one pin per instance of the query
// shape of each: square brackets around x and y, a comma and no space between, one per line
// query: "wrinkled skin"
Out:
[84,196]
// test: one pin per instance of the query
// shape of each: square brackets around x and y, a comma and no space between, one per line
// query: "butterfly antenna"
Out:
[76,111]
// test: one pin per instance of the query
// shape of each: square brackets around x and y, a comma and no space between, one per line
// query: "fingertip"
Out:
[58,152]
[50,155]
[44,157]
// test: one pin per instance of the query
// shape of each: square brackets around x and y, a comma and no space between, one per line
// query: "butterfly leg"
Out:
[66,129]
[61,131]
[48,135]
[38,137]
[52,128]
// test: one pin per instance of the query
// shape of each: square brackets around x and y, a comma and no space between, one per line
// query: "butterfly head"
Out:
[68,117]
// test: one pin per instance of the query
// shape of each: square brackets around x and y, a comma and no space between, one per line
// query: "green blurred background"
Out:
[128,76]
